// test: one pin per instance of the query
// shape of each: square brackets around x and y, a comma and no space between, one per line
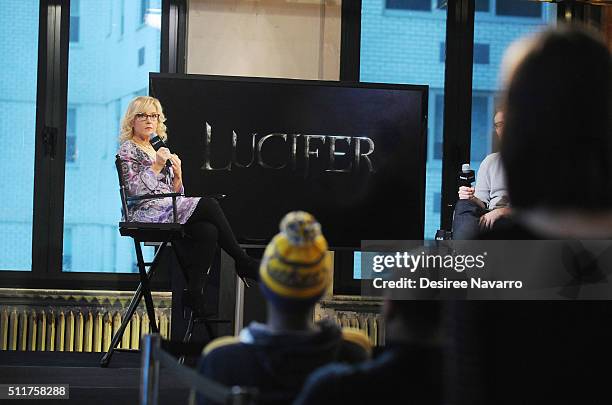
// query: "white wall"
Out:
[297,39]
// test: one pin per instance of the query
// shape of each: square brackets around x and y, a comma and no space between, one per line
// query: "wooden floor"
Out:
[89,383]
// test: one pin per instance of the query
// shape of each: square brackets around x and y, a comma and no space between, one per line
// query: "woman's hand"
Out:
[176,166]
[178,172]
[161,156]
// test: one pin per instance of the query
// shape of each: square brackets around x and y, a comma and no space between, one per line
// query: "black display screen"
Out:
[353,155]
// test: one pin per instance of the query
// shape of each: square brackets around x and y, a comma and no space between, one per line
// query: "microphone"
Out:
[156,141]
[466,176]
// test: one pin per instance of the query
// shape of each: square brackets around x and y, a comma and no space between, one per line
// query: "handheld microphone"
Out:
[466,176]
[156,141]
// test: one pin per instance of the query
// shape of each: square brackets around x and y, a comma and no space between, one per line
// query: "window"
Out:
[122,25]
[481,53]
[142,12]
[71,148]
[482,5]
[67,254]
[141,56]
[421,5]
[482,129]
[117,120]
[437,202]
[75,20]
[518,8]
[91,201]
[407,50]
[438,123]
[18,77]
[110,22]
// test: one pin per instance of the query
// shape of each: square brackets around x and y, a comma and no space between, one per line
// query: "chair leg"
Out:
[146,289]
[187,337]
[179,253]
[189,330]
[124,322]
[131,308]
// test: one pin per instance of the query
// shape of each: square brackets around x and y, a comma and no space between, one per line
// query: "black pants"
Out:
[206,227]
[466,219]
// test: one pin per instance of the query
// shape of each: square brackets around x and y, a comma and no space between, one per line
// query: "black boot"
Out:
[248,269]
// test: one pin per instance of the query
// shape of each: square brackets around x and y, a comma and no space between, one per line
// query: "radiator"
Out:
[363,313]
[82,322]
[371,324]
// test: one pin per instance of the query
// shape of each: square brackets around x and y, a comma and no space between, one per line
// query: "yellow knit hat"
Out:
[296,263]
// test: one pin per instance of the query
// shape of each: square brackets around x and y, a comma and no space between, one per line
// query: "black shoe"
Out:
[248,269]
[196,301]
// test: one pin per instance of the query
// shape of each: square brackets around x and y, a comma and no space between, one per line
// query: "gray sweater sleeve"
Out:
[491,186]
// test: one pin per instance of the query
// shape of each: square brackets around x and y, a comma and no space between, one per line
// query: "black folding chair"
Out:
[164,234]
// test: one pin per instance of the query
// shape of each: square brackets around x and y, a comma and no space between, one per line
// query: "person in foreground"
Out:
[145,171]
[558,158]
[409,370]
[480,207]
[276,357]
[557,148]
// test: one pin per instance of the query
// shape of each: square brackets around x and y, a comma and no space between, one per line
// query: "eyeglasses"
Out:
[143,117]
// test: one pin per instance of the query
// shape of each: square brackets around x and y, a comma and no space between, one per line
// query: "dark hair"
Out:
[557,124]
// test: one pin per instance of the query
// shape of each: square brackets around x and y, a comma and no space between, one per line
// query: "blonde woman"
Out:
[144,171]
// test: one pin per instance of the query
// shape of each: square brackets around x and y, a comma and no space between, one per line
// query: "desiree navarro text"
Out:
[423,282]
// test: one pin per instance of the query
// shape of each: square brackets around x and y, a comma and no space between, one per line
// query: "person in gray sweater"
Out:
[481,206]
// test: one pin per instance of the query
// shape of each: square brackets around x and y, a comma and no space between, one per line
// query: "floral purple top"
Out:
[140,179]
